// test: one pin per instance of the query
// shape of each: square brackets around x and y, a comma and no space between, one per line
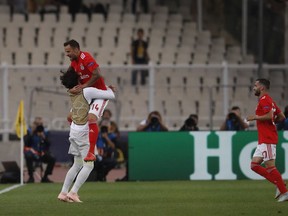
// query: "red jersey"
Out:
[267,132]
[84,66]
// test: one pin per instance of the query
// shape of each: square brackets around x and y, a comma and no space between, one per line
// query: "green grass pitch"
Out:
[243,197]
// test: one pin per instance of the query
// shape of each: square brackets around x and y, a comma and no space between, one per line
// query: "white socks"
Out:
[72,173]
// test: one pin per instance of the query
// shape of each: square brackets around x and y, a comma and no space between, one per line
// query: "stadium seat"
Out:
[160,17]
[145,18]
[12,37]
[38,57]
[114,17]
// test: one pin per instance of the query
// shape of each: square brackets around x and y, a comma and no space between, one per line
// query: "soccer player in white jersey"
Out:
[79,134]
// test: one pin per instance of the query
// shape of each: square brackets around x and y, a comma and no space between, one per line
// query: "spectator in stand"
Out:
[36,149]
[284,124]
[190,124]
[107,114]
[144,6]
[153,122]
[234,121]
[139,56]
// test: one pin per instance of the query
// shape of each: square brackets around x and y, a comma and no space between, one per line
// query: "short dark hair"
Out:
[140,30]
[107,111]
[264,82]
[69,78]
[73,43]
[235,108]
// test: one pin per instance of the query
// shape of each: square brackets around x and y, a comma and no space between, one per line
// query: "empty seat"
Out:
[128,18]
[12,37]
[114,17]
[160,10]
[200,58]
[60,36]
[119,57]
[65,20]
[81,19]
[145,18]
[183,58]
[22,58]
[28,38]
[168,57]
[160,17]
[38,57]
[44,38]
[97,18]
[19,20]
[7,56]
[50,19]
[5,19]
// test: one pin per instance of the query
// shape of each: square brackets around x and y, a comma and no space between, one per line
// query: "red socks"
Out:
[93,136]
[271,174]
[278,179]
[262,171]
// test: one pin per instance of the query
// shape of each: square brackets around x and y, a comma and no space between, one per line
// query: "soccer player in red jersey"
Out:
[266,113]
[88,69]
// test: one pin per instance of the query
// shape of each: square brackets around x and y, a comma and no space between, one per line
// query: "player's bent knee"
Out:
[89,164]
[92,119]
[253,166]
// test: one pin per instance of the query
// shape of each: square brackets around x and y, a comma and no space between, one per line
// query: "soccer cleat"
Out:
[46,180]
[90,157]
[73,197]
[283,197]
[277,194]
[63,197]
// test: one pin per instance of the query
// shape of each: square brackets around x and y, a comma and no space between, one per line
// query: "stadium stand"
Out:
[173,39]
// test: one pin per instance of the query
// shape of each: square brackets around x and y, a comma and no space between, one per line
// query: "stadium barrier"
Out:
[208,90]
[203,155]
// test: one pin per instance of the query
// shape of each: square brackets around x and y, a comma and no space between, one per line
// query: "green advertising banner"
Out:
[201,155]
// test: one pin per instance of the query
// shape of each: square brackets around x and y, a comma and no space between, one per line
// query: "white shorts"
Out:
[265,151]
[79,142]
[97,107]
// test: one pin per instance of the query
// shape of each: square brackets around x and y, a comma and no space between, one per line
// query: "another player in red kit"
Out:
[266,113]
[88,69]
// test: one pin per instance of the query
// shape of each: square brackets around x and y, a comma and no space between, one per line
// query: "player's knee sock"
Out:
[277,178]
[71,174]
[93,136]
[262,171]
[82,176]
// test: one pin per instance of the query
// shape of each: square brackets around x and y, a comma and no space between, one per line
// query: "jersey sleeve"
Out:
[266,105]
[90,63]
[277,109]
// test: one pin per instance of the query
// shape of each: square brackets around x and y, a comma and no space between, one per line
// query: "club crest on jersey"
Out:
[81,66]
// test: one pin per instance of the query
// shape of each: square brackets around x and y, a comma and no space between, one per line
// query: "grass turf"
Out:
[159,198]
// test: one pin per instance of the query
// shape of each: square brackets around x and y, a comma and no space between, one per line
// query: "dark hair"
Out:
[107,111]
[235,108]
[264,82]
[140,30]
[70,78]
[73,43]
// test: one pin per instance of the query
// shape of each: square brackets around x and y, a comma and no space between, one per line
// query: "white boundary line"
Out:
[10,188]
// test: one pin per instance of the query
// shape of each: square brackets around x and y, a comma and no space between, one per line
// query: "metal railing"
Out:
[226,73]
